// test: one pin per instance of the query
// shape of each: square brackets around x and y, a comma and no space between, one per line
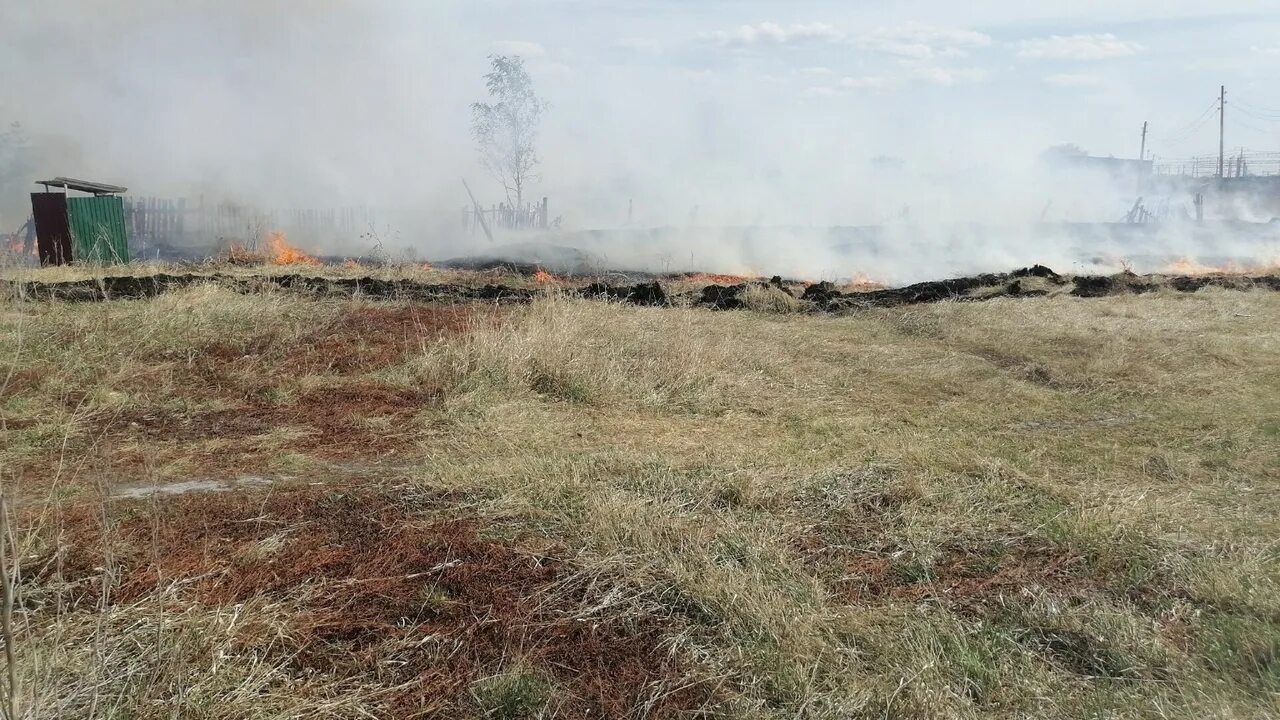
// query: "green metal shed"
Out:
[97,230]
[80,229]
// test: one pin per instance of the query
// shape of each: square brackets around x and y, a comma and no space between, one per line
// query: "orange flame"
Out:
[862,281]
[280,252]
[542,277]
[1188,266]
[425,266]
[350,264]
[13,245]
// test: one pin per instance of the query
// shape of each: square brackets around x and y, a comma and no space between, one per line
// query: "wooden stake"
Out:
[479,211]
[6,613]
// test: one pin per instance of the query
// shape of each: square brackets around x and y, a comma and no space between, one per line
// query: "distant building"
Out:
[1073,159]
[1113,167]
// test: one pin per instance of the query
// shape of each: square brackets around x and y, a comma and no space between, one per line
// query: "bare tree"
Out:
[505,128]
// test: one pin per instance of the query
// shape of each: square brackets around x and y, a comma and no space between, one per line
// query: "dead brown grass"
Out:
[1043,507]
[377,588]
[316,383]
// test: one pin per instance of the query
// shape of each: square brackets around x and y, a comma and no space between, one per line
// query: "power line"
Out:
[1186,131]
[1256,114]
[1191,126]
[1257,108]
[1203,114]
[1238,122]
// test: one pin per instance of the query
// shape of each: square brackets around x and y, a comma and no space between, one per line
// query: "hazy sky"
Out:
[756,111]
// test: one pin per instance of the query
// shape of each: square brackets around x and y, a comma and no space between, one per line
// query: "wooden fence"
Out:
[533,216]
[1240,163]
[158,222]
[154,219]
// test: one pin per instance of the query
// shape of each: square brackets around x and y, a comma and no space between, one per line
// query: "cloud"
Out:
[913,41]
[930,75]
[555,68]
[522,48]
[866,82]
[770,33]
[910,41]
[947,77]
[1072,80]
[815,71]
[645,46]
[822,91]
[1078,47]
[909,51]
[1272,50]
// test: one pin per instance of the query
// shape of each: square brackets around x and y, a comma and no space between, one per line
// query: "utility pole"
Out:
[1142,155]
[1222,128]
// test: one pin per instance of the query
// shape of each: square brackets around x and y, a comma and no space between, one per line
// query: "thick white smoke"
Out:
[706,119]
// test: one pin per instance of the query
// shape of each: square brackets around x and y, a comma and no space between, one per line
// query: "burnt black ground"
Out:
[824,296]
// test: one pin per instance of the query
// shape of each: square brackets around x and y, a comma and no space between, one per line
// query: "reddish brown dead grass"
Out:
[422,607]
[850,554]
[373,337]
[355,415]
[360,340]
[964,580]
[329,419]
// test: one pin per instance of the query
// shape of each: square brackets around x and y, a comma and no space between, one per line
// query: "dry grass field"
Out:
[227,505]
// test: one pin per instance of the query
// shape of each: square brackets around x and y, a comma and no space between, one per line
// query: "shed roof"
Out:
[83,186]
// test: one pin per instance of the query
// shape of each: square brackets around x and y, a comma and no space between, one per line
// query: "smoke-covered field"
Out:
[703,137]
[654,360]
[900,254]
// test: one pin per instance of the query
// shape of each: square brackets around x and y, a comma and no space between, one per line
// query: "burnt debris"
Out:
[650,293]
[822,296]
[1039,271]
[723,297]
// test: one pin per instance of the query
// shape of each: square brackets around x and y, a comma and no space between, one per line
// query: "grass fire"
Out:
[636,361]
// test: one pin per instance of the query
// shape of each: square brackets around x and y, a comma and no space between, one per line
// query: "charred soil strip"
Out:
[132,288]
[381,592]
[824,295]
